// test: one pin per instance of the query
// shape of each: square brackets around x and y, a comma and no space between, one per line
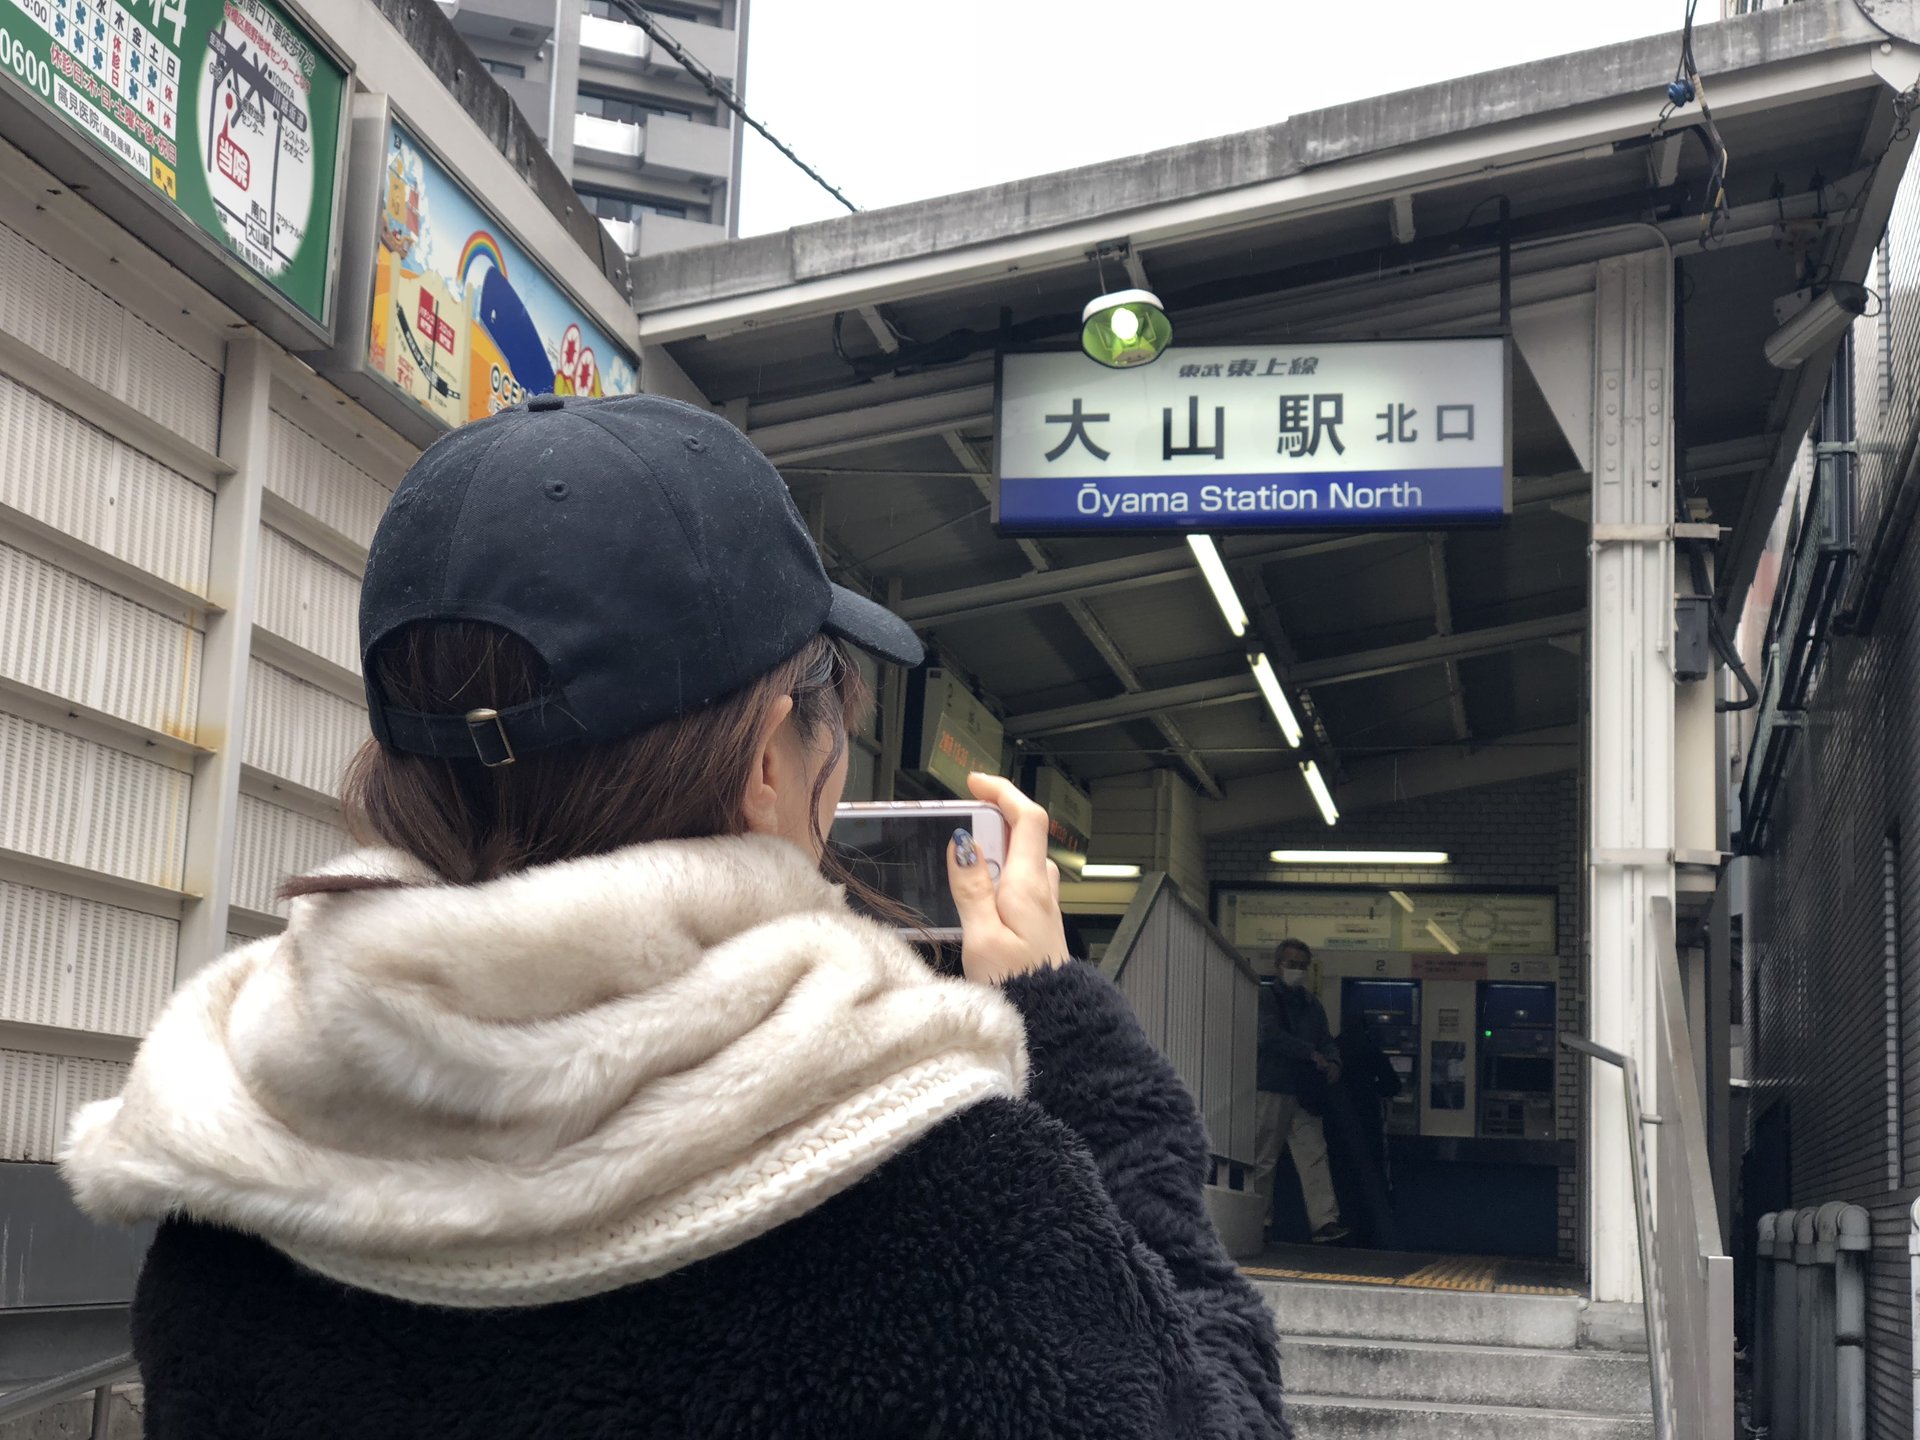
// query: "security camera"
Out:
[1810,320]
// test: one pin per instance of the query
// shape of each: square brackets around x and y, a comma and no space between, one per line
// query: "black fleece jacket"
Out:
[1029,1268]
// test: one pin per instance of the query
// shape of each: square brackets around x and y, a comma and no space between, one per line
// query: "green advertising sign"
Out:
[226,109]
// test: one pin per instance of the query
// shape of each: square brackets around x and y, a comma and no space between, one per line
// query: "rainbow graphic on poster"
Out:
[463,320]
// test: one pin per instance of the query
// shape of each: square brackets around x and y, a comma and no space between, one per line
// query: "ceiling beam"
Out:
[1096,634]
[1462,645]
[1361,665]
[1258,802]
[1094,713]
[790,441]
[1158,567]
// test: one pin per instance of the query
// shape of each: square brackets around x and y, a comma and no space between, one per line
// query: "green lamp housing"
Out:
[1125,328]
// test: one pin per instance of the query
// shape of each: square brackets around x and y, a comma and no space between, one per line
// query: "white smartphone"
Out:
[899,849]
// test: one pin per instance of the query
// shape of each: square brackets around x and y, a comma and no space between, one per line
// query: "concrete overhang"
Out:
[859,353]
[1391,145]
[1337,183]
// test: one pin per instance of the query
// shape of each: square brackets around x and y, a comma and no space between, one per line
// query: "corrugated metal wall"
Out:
[110,477]
[1845,831]
[1201,1007]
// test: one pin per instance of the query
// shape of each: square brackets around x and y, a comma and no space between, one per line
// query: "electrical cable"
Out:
[1686,87]
[721,92]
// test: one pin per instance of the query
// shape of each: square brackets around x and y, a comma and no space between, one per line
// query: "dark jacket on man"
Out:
[1039,1267]
[1293,1029]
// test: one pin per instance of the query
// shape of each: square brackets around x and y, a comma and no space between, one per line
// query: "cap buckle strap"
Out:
[490,741]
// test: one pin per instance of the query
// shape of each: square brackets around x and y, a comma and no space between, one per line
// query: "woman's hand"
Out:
[1015,927]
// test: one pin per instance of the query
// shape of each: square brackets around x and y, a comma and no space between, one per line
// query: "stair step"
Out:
[1589,1381]
[1389,1312]
[1328,1418]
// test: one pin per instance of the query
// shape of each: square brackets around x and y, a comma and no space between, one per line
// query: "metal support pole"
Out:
[1913,1303]
[102,1413]
[1760,1326]
[1786,1330]
[1815,1337]
[1852,1239]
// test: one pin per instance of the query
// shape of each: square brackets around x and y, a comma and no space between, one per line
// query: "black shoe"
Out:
[1333,1230]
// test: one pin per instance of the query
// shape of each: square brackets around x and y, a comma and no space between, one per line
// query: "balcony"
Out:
[666,146]
[626,47]
[655,234]
[607,140]
[688,150]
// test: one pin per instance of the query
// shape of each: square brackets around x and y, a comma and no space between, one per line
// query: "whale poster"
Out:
[464,322]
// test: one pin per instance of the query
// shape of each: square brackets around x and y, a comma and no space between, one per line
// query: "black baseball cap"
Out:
[642,546]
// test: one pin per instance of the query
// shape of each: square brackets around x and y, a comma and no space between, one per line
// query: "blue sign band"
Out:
[1360,498]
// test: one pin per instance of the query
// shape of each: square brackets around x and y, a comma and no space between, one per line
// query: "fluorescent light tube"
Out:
[1362,857]
[1322,796]
[1269,684]
[1109,872]
[1446,940]
[1401,898]
[1218,581]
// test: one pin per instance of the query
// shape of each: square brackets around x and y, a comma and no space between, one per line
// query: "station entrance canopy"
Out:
[860,353]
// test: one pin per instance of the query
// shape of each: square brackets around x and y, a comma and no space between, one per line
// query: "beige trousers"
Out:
[1280,1123]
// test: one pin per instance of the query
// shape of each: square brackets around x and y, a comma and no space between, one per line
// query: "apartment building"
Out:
[650,150]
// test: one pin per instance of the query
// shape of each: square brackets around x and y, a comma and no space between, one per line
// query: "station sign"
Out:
[462,321]
[958,734]
[226,113]
[1230,438]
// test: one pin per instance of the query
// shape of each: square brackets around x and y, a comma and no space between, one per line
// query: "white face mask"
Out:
[1294,977]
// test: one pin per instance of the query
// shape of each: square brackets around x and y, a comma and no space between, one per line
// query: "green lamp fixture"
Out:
[1125,328]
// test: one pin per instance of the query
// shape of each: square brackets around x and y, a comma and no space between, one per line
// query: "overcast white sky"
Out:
[897,100]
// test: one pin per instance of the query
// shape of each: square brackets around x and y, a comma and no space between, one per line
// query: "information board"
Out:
[463,321]
[1474,924]
[1255,437]
[227,110]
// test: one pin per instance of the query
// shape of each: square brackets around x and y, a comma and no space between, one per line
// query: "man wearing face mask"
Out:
[1298,1062]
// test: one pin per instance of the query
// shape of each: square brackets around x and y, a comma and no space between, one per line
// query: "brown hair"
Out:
[682,779]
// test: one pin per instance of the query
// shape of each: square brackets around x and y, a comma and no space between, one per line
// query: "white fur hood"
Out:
[548,1085]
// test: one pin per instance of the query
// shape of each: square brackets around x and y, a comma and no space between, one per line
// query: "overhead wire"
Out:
[721,91]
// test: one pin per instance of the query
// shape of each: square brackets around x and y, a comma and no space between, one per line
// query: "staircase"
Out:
[1382,1362]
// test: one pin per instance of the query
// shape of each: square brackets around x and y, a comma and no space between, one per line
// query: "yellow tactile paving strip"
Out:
[1469,1274]
[1465,1273]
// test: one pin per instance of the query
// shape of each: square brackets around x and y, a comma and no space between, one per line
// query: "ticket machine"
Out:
[1391,1010]
[1516,1067]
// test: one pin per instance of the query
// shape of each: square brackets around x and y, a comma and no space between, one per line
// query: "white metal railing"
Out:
[1199,1003]
[98,1378]
[1685,1271]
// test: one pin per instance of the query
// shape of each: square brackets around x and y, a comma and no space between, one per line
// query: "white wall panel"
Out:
[39,1095]
[30,1110]
[326,485]
[56,312]
[299,731]
[81,964]
[77,324]
[66,635]
[172,385]
[272,843]
[84,804]
[34,938]
[82,481]
[307,599]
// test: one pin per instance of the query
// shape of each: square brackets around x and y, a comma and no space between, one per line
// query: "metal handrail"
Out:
[1658,1357]
[99,1377]
[1685,1272]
